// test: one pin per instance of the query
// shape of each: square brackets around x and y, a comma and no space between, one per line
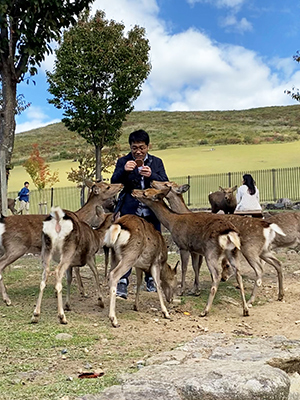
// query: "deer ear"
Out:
[158,196]
[221,189]
[183,188]
[99,210]
[161,194]
[88,183]
[234,188]
[175,268]
[116,216]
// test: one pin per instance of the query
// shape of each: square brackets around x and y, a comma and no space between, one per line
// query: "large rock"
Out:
[216,367]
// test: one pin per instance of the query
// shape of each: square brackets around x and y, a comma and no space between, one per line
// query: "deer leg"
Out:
[46,258]
[196,263]
[155,272]
[184,256]
[106,260]
[233,260]
[212,262]
[139,279]
[115,274]
[79,282]
[69,274]
[255,263]
[59,274]
[271,259]
[5,260]
[92,264]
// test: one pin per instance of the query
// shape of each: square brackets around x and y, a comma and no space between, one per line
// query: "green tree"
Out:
[87,166]
[86,169]
[294,92]
[97,76]
[26,29]
[39,172]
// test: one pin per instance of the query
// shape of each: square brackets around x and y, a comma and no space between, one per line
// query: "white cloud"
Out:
[190,71]
[240,26]
[36,118]
[220,3]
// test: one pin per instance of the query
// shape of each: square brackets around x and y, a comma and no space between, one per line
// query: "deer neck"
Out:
[163,213]
[177,203]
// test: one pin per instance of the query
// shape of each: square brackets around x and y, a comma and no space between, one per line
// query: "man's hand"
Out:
[130,165]
[145,171]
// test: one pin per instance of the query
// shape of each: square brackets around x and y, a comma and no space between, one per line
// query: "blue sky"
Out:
[205,55]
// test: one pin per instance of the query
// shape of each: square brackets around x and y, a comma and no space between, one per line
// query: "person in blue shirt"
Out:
[136,170]
[23,197]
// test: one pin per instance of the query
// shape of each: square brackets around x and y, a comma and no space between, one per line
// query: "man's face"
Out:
[139,150]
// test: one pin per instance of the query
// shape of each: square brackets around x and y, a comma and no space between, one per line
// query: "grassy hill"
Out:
[190,143]
[171,130]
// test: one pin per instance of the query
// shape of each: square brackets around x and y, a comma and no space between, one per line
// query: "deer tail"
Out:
[230,240]
[277,229]
[116,234]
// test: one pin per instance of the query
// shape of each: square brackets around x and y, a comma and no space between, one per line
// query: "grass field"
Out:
[198,160]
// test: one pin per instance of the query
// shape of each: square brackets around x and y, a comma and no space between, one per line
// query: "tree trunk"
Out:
[82,192]
[8,123]
[7,120]
[98,149]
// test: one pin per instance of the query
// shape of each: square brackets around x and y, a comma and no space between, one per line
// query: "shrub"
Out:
[247,139]
[202,142]
[233,140]
[163,145]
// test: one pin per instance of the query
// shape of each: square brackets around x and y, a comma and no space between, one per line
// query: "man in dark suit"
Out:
[136,170]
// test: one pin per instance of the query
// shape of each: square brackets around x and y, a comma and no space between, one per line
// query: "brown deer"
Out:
[289,222]
[11,205]
[256,236]
[204,233]
[21,234]
[136,243]
[223,200]
[72,243]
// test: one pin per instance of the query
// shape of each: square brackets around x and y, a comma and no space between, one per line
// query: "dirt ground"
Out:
[268,317]
[97,345]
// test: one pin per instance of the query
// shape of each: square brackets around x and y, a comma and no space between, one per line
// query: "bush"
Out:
[233,140]
[202,142]
[163,145]
[247,139]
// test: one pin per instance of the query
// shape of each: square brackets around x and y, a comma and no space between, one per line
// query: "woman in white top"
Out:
[247,195]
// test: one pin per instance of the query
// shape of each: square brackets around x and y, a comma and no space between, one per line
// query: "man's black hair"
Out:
[25,183]
[139,136]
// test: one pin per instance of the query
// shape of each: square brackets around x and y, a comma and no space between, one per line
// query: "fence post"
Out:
[189,192]
[274,184]
[51,201]
[229,179]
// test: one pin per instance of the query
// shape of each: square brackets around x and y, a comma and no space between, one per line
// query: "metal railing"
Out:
[273,184]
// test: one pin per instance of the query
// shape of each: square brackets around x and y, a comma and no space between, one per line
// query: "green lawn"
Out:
[198,160]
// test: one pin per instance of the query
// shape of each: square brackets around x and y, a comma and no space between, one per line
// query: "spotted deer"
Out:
[256,237]
[21,234]
[203,233]
[136,243]
[71,243]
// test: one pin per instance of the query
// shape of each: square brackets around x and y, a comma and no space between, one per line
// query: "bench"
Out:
[250,213]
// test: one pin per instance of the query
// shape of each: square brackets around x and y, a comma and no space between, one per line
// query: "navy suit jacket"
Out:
[132,180]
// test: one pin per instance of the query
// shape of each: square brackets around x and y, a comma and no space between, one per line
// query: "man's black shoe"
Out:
[122,290]
[151,285]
